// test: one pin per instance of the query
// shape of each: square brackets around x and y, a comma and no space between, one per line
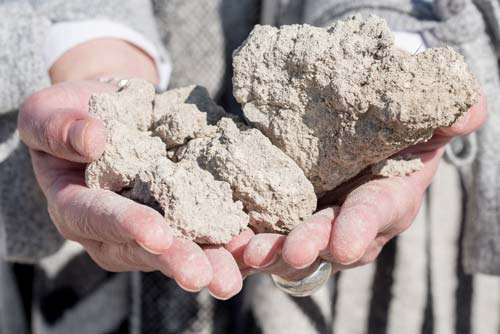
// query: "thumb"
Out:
[55,121]
[66,134]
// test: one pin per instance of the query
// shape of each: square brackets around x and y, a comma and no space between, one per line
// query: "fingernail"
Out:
[218,297]
[267,264]
[352,255]
[148,249]
[158,235]
[186,289]
[77,136]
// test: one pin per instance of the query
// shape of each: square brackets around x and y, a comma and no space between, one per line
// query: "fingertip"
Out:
[193,272]
[263,250]
[352,233]
[230,291]
[227,280]
[157,237]
[303,244]
[95,139]
[87,138]
[347,255]
[299,254]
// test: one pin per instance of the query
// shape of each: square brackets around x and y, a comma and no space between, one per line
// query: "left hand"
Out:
[372,213]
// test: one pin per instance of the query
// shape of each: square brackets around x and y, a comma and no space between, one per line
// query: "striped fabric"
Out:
[417,285]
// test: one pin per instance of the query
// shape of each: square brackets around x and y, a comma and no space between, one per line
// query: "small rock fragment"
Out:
[197,206]
[185,113]
[273,189]
[183,122]
[191,95]
[341,98]
[132,105]
[398,166]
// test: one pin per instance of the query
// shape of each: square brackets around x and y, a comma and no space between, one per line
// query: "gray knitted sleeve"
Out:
[26,232]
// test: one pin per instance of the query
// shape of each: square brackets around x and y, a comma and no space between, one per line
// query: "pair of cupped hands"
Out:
[122,235]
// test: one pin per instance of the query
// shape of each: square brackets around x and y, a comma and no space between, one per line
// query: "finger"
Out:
[101,215]
[120,257]
[370,255]
[305,241]
[380,206]
[264,254]
[227,280]
[55,121]
[237,247]
[263,250]
[186,262]
[469,122]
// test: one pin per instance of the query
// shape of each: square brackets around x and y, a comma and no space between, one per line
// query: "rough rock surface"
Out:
[196,205]
[130,105]
[398,166]
[128,151]
[206,172]
[274,190]
[135,164]
[341,98]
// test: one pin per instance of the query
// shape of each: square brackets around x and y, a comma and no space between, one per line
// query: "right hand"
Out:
[118,233]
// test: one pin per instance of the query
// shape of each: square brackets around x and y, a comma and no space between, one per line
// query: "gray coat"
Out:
[200,36]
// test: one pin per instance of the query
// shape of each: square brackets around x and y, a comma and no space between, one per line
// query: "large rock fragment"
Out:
[273,189]
[135,164]
[341,98]
[197,206]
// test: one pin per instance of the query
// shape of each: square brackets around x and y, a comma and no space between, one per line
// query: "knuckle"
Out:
[103,256]
[90,223]
[49,134]
[127,254]
[61,224]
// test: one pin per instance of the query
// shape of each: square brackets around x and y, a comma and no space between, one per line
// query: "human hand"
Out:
[119,234]
[365,215]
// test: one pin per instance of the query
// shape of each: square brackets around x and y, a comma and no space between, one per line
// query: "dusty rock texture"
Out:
[209,174]
[341,98]
[135,160]
[197,206]
[274,190]
[398,166]
[128,151]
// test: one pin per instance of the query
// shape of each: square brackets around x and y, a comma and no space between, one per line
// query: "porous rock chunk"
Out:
[132,105]
[340,98]
[185,113]
[398,166]
[128,151]
[273,189]
[197,206]
[135,162]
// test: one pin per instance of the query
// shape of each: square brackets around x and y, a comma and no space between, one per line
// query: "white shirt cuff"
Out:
[411,42]
[63,36]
